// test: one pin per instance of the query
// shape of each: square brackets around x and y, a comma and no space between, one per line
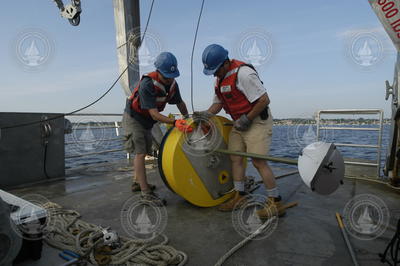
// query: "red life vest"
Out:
[233,100]
[162,97]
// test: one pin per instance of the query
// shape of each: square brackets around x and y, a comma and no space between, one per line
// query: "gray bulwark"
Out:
[22,149]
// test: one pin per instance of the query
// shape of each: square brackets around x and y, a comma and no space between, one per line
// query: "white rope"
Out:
[244,242]
[66,231]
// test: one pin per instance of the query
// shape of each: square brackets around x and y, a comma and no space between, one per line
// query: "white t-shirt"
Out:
[249,83]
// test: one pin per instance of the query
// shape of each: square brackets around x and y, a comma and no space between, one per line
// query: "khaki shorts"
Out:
[257,139]
[137,139]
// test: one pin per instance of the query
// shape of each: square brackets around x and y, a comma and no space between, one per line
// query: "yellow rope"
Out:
[375,181]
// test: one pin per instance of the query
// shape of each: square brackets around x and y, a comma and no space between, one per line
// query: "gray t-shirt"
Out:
[147,96]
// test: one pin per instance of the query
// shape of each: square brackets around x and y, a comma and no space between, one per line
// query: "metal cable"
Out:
[70,113]
[45,161]
[393,249]
[191,58]
[93,103]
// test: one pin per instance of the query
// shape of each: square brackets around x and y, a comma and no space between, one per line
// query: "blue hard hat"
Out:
[167,65]
[213,57]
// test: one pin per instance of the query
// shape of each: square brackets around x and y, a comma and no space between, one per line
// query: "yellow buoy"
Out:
[191,169]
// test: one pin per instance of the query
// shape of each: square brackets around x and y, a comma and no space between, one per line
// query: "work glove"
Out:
[181,125]
[202,114]
[243,123]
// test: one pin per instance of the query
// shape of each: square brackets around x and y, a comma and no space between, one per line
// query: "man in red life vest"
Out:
[240,92]
[142,111]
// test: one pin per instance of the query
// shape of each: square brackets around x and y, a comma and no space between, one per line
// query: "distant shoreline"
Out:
[300,121]
[286,122]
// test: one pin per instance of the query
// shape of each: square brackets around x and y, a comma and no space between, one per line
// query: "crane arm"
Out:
[388,12]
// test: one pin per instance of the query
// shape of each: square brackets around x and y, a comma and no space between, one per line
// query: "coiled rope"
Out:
[66,231]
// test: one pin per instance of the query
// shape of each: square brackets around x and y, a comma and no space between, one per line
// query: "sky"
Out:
[307,53]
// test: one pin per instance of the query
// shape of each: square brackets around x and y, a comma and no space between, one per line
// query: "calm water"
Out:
[287,141]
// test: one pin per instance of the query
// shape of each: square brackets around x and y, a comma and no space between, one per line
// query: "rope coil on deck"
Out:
[68,232]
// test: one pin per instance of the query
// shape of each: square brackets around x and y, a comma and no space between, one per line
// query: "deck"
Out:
[307,235]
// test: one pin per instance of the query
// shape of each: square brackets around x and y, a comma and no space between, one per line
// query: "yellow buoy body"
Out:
[191,169]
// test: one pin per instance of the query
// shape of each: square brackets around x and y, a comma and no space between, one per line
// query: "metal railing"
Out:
[116,126]
[320,127]
[379,129]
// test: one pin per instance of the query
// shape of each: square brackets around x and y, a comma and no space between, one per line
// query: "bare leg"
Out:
[140,171]
[265,172]
[238,169]
[273,206]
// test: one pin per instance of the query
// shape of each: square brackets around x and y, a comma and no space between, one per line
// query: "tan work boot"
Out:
[234,203]
[271,208]
[136,187]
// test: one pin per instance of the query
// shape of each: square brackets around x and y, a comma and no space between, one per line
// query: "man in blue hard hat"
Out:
[142,111]
[240,92]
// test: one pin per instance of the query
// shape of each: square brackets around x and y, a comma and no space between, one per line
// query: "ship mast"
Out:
[127,22]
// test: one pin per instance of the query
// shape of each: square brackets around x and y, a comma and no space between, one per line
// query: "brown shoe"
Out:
[234,203]
[136,187]
[272,208]
[153,198]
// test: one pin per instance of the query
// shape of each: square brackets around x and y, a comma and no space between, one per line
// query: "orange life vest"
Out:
[233,100]
[162,97]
